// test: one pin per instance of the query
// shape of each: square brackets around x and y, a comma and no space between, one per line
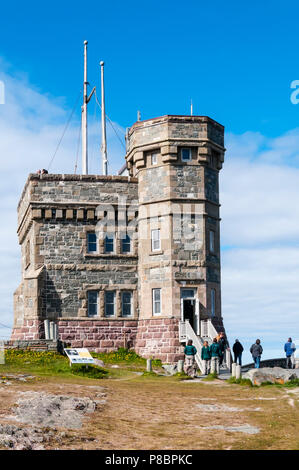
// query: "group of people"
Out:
[213,355]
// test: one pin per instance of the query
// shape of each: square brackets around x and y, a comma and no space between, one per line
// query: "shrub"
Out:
[92,371]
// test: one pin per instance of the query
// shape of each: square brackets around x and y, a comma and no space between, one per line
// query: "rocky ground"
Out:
[130,411]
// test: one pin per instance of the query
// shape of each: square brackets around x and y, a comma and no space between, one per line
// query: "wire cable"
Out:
[111,123]
[65,129]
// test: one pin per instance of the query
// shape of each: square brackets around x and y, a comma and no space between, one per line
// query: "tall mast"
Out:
[104,143]
[84,116]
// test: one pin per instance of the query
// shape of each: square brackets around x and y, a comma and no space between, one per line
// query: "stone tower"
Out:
[176,160]
[156,264]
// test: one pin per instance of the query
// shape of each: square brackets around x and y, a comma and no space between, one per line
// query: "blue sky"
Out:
[236,61]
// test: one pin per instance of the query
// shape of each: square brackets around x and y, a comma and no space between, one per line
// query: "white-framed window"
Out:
[126,244]
[154,158]
[156,301]
[186,154]
[213,302]
[92,303]
[212,241]
[126,304]
[156,240]
[109,243]
[91,242]
[110,303]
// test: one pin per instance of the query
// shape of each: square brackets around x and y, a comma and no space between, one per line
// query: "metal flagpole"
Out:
[104,143]
[84,116]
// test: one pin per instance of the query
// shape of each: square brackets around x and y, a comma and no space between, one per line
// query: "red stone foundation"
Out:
[159,338]
[31,329]
[99,335]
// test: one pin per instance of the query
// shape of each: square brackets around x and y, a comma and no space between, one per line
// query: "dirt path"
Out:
[161,413]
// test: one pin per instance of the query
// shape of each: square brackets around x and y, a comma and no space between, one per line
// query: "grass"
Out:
[48,363]
[233,380]
[211,376]
[125,357]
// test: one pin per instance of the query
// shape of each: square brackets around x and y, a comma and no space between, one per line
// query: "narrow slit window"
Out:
[212,241]
[213,302]
[156,301]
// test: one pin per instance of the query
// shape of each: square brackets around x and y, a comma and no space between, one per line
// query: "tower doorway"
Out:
[188,308]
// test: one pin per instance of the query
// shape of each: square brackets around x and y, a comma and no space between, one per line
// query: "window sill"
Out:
[153,253]
[110,255]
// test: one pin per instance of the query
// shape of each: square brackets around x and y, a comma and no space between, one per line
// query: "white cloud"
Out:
[260,234]
[31,125]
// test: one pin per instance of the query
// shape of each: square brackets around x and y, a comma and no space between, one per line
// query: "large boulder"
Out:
[271,374]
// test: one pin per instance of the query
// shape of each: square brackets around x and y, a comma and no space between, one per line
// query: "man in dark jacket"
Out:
[238,349]
[256,351]
[223,345]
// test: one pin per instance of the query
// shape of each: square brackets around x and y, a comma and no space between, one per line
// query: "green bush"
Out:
[92,371]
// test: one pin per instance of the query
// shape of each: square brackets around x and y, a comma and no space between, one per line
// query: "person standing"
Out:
[206,357]
[289,349]
[223,345]
[237,350]
[256,351]
[215,355]
[189,365]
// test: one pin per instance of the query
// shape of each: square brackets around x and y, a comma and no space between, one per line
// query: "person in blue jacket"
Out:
[289,348]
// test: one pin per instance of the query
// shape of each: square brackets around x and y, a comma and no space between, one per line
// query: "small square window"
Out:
[110,303]
[156,241]
[91,242]
[186,154]
[92,303]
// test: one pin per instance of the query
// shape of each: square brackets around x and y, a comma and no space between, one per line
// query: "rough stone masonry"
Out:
[120,260]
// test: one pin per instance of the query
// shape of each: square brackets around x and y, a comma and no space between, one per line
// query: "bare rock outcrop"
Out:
[271,374]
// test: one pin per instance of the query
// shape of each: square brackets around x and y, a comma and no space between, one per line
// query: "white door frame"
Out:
[196,307]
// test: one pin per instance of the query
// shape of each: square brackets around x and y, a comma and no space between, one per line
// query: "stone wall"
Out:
[159,338]
[98,335]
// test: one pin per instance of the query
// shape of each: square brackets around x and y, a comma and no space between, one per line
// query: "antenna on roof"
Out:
[138,116]
[104,143]
[191,108]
